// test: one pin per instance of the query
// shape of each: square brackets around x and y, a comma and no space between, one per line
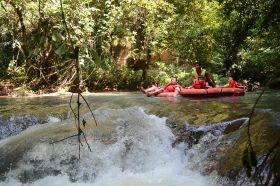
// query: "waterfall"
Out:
[129,147]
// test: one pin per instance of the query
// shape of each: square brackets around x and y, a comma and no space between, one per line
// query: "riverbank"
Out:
[8,90]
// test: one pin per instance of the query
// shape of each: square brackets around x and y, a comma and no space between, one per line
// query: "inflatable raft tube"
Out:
[219,91]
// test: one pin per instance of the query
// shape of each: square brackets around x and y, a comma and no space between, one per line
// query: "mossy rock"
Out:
[262,137]
[220,117]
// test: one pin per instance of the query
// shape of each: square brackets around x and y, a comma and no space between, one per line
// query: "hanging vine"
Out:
[76,89]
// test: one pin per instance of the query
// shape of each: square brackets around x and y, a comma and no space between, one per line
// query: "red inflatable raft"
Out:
[219,91]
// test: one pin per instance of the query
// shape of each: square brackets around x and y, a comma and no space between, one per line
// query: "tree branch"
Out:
[75,88]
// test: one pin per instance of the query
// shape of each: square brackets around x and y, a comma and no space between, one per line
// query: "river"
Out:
[135,141]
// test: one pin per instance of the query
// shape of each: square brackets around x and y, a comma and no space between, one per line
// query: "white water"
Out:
[137,152]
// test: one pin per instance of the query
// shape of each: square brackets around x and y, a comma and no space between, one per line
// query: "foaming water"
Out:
[134,150]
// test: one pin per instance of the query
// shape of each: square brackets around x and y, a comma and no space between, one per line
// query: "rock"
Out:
[209,167]
[233,126]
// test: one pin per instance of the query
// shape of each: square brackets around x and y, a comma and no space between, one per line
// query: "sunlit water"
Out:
[132,144]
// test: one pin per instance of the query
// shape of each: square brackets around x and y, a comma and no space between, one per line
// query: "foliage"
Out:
[231,37]
[192,30]
[275,83]
[162,72]
[5,56]
[249,37]
[114,77]
[110,77]
[16,73]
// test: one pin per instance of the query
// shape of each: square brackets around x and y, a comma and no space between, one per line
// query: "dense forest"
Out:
[121,44]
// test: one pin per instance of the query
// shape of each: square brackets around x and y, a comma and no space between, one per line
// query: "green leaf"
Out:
[57,37]
[61,50]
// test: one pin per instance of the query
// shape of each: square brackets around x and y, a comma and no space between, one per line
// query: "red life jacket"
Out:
[233,84]
[198,85]
[171,88]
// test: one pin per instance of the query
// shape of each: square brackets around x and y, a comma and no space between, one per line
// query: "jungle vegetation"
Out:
[125,43]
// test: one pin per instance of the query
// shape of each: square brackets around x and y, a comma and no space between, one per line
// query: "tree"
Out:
[250,38]
[192,29]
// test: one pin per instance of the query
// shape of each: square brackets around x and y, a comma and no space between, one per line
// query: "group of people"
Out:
[201,80]
[173,86]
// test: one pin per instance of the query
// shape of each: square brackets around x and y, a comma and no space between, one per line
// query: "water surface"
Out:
[132,144]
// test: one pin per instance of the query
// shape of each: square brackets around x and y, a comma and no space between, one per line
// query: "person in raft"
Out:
[201,78]
[232,83]
[173,86]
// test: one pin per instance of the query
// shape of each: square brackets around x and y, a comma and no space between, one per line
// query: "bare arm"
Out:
[210,80]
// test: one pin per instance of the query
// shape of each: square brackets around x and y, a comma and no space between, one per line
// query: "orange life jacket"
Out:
[233,84]
[171,88]
[198,85]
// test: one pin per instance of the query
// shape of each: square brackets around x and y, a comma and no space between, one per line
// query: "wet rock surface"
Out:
[192,134]
[221,145]
[15,125]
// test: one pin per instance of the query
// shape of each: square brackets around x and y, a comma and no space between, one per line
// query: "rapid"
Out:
[134,142]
